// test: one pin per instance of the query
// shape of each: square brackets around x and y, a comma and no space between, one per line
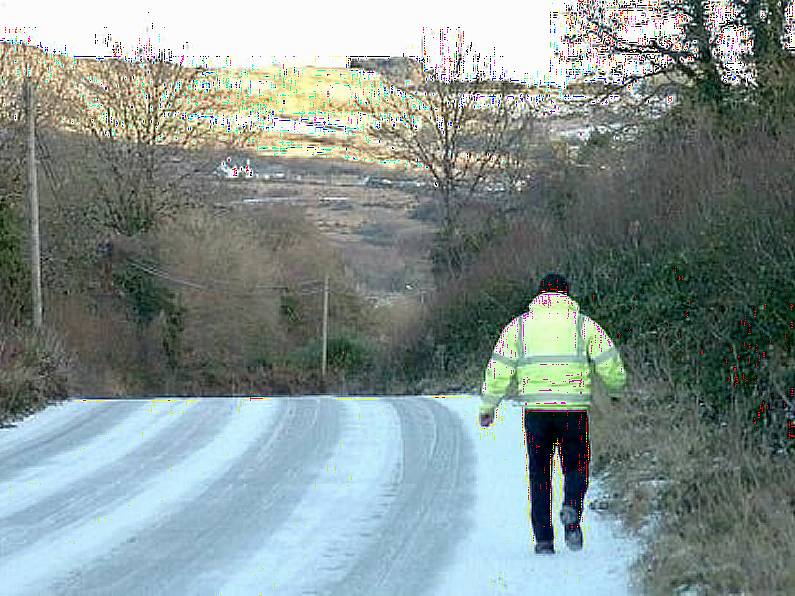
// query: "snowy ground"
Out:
[312,495]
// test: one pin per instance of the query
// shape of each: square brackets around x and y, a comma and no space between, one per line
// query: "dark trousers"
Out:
[542,431]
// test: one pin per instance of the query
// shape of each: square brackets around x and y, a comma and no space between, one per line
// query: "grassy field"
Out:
[295,111]
[309,97]
[302,111]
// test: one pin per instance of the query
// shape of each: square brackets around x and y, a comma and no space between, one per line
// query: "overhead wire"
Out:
[44,159]
[159,272]
[293,289]
[299,288]
[165,276]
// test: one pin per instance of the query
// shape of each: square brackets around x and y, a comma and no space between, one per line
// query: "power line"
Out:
[160,273]
[253,290]
[44,160]
[191,284]
[181,282]
[307,292]
[308,282]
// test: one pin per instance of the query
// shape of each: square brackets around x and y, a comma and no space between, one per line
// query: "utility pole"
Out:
[33,193]
[325,332]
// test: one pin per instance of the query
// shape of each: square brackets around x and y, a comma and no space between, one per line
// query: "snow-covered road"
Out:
[310,495]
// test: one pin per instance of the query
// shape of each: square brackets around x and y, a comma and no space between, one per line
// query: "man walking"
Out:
[552,350]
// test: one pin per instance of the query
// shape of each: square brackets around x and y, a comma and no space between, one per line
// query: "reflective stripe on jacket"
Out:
[552,350]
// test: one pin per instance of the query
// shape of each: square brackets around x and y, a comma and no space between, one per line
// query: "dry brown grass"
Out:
[234,338]
[226,322]
[102,340]
[723,505]
[33,370]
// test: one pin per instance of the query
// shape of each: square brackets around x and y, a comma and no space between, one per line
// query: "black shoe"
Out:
[545,547]
[574,538]
[571,525]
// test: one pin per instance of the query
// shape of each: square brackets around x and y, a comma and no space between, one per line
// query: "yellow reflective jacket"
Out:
[552,349]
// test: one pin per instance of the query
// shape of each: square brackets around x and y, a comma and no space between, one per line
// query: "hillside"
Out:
[293,111]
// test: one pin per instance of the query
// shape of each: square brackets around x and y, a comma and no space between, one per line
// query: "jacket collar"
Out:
[554,301]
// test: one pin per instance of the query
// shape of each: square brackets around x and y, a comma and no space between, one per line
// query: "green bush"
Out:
[173,332]
[349,354]
[703,326]
[463,329]
[344,353]
[14,271]
[146,297]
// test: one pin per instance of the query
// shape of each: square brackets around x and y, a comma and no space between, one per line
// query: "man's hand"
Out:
[486,419]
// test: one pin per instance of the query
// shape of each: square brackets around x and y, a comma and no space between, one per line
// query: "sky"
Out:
[301,32]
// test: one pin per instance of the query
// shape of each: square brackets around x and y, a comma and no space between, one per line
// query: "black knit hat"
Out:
[554,282]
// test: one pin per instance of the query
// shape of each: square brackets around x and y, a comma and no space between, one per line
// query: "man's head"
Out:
[554,282]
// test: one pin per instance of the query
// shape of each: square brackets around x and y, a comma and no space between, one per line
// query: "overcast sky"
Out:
[302,30]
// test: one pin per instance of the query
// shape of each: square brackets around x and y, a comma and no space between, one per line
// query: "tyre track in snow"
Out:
[432,494]
[82,428]
[59,472]
[222,523]
[336,519]
[297,496]
[131,527]
[150,498]
[42,425]
[101,490]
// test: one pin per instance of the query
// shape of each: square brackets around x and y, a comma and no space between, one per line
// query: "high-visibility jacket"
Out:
[552,349]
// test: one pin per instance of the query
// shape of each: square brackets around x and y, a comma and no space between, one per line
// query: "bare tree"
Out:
[140,113]
[455,119]
[770,57]
[679,51]
[677,47]
[45,72]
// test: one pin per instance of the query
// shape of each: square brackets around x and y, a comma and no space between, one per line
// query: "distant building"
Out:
[229,170]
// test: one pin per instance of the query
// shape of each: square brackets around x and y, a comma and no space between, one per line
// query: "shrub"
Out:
[14,271]
[344,353]
[33,371]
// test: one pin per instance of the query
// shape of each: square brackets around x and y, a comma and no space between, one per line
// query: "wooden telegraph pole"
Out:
[33,193]
[325,333]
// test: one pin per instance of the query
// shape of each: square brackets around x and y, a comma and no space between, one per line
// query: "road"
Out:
[311,495]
